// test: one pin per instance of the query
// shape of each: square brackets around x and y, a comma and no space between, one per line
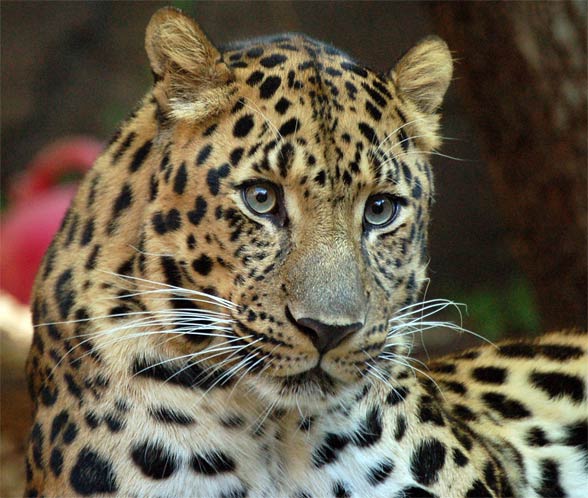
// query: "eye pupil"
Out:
[261,195]
[378,206]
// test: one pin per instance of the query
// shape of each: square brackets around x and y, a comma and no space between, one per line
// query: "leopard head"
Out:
[280,210]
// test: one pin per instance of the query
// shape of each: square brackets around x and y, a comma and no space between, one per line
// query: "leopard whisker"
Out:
[223,302]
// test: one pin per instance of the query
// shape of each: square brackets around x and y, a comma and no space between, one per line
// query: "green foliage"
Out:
[495,312]
[186,5]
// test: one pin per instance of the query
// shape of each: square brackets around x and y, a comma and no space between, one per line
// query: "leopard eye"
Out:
[380,210]
[261,197]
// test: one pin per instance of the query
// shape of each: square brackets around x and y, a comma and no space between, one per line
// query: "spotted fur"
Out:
[188,344]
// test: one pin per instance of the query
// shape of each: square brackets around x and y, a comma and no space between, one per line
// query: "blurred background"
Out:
[508,236]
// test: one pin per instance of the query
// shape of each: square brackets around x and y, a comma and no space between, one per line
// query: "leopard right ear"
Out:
[191,80]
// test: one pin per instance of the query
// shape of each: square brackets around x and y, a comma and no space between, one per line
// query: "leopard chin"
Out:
[309,392]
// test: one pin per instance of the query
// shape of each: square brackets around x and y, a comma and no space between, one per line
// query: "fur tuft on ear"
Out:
[191,79]
[423,74]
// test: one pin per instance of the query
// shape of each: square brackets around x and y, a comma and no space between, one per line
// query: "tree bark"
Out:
[521,67]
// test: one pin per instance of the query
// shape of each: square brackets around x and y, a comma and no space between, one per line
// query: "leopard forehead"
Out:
[307,117]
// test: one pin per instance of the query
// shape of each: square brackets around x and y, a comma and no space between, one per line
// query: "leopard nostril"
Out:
[326,337]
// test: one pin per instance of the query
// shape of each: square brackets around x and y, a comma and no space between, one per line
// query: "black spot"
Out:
[180,375]
[373,111]
[537,437]
[212,463]
[354,68]
[456,387]
[210,130]
[153,460]
[140,156]
[430,412]
[72,386]
[507,407]
[214,177]
[397,395]
[92,420]
[122,202]
[468,355]
[70,433]
[180,179]
[254,78]
[464,439]
[443,368]
[370,429]
[163,223]
[417,189]
[321,178]
[400,428]
[517,351]
[87,233]
[203,155]
[232,421]
[236,155]
[289,127]
[92,474]
[202,265]
[58,423]
[64,293]
[49,394]
[380,472]
[285,159]
[550,486]
[171,271]
[463,412]
[427,460]
[560,352]
[238,106]
[269,86]
[56,462]
[243,126]
[368,132]
[195,216]
[282,105]
[340,490]
[459,458]
[170,416]
[272,60]
[128,141]
[558,385]
[37,440]
[577,434]
[91,261]
[254,52]
[489,375]
[329,450]
[478,490]
[415,492]
[374,94]
[114,422]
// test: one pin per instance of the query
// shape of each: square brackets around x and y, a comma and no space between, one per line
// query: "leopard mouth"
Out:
[315,379]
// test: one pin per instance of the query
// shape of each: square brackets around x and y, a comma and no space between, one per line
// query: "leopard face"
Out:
[304,202]
[278,194]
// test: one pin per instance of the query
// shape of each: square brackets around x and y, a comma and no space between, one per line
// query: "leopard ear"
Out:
[191,80]
[423,74]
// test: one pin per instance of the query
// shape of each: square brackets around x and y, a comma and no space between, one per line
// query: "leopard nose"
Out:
[324,336]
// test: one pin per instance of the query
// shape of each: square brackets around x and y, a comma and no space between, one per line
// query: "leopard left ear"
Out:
[423,74]
[191,80]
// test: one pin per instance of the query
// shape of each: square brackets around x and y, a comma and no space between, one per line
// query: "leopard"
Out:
[228,307]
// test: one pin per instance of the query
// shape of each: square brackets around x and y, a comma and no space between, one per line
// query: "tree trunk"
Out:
[521,67]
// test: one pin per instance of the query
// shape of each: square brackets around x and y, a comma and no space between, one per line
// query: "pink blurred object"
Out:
[37,204]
